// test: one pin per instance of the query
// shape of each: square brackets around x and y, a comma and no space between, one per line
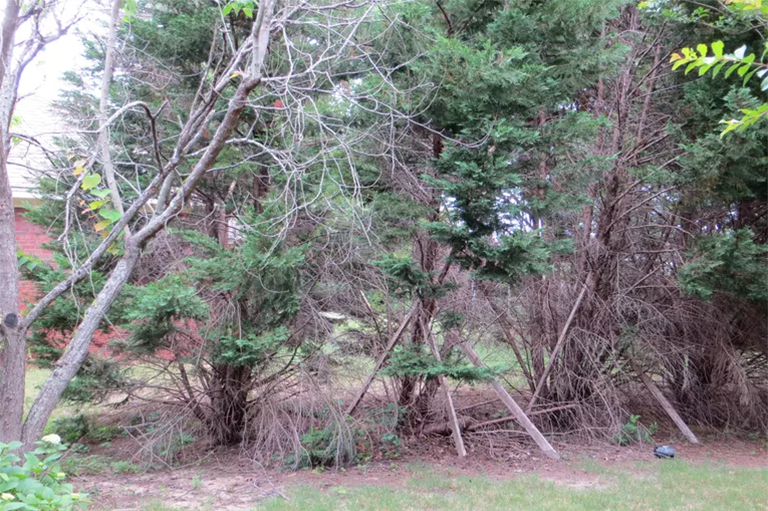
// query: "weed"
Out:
[105,433]
[634,432]
[197,482]
[390,445]
[124,467]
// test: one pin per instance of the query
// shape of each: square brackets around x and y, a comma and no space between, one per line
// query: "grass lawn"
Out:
[34,380]
[647,486]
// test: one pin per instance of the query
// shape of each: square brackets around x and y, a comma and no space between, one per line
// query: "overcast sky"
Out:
[41,84]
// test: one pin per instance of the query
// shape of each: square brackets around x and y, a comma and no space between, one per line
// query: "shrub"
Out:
[70,429]
[634,432]
[37,484]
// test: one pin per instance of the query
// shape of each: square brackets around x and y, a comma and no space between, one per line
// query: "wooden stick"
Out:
[506,328]
[558,347]
[478,425]
[381,360]
[665,404]
[513,407]
[469,407]
[453,420]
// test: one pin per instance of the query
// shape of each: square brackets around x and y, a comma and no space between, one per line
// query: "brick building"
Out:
[30,238]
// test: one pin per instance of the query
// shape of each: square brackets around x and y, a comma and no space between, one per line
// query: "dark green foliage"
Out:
[505,71]
[328,447]
[70,429]
[156,310]
[179,33]
[728,262]
[410,360]
[96,380]
[633,432]
[250,350]
[317,448]
[409,280]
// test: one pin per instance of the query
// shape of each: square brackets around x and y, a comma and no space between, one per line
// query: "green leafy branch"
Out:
[89,183]
[746,66]
[236,6]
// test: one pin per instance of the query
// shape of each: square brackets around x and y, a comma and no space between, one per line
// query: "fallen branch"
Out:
[558,347]
[380,361]
[513,407]
[664,402]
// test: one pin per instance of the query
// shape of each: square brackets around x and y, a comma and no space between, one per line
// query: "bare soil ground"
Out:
[225,480]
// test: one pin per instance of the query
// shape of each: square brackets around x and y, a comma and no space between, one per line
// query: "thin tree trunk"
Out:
[664,402]
[353,405]
[12,345]
[559,346]
[450,409]
[78,348]
[104,133]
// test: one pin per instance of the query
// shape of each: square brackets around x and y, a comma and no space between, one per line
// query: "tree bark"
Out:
[108,168]
[12,348]
[77,349]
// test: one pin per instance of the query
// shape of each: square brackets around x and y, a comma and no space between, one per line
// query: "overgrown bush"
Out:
[37,484]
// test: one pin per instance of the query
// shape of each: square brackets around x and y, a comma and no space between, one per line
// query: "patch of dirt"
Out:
[223,480]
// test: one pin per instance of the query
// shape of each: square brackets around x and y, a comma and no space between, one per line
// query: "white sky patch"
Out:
[41,84]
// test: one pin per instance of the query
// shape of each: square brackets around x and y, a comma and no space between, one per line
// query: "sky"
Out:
[41,83]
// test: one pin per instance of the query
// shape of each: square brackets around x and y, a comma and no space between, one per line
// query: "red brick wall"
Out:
[30,239]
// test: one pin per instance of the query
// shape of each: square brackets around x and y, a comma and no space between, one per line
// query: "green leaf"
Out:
[97,204]
[702,49]
[732,69]
[717,48]
[100,193]
[717,69]
[227,9]
[748,76]
[110,214]
[743,69]
[91,181]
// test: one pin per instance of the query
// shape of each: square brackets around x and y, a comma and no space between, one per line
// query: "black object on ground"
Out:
[664,451]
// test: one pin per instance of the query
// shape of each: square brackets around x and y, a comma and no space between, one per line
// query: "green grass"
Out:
[656,485]
[34,380]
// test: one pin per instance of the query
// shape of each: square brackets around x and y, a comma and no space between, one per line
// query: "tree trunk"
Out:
[12,348]
[78,348]
[229,401]
[12,345]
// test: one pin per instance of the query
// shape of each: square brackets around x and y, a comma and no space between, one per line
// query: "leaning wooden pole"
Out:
[513,407]
[665,404]
[453,419]
[559,346]
[380,361]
